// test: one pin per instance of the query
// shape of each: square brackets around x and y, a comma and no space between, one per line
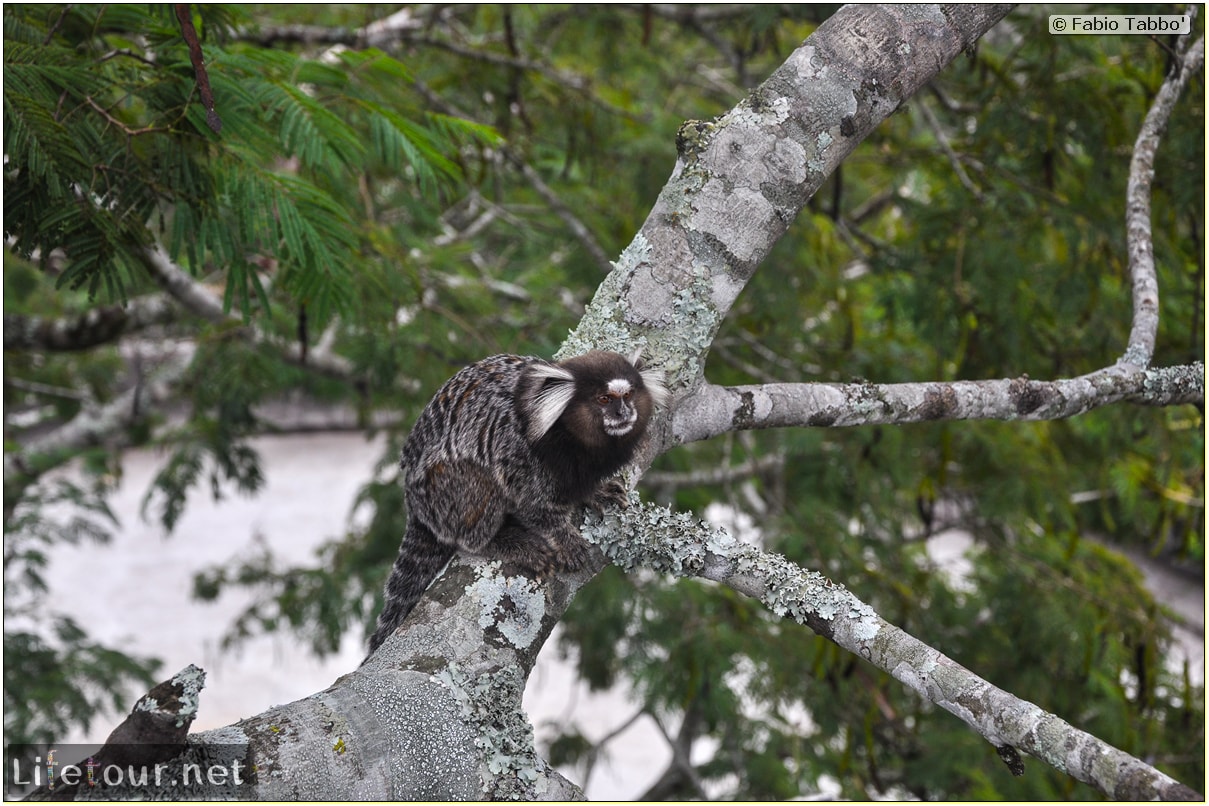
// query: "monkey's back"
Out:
[473,417]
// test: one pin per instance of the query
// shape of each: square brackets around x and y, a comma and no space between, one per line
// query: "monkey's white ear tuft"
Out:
[652,379]
[545,393]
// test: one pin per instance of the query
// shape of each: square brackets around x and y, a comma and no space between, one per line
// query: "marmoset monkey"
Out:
[503,456]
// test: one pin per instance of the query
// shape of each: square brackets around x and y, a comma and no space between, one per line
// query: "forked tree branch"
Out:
[715,221]
[713,410]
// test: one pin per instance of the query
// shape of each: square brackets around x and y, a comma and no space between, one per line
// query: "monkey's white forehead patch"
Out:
[619,386]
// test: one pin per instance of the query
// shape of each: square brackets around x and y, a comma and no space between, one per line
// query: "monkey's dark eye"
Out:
[627,395]
[602,400]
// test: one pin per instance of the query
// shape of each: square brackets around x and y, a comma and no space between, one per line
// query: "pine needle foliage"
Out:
[109,152]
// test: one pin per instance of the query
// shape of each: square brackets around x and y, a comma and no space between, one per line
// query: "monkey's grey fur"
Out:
[503,457]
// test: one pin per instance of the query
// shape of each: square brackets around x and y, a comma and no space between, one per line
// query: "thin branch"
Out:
[718,475]
[198,59]
[680,770]
[581,232]
[1142,274]
[54,29]
[594,753]
[721,349]
[654,537]
[196,298]
[563,78]
[401,27]
[129,132]
[714,410]
[96,326]
[377,34]
[112,421]
[694,12]
[275,35]
[943,139]
[47,390]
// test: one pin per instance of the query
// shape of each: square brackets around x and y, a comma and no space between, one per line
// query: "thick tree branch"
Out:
[744,176]
[1142,275]
[646,536]
[434,714]
[711,411]
[714,410]
[739,181]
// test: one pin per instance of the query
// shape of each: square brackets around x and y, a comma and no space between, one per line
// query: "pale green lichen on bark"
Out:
[191,680]
[603,326]
[754,114]
[654,537]
[147,704]
[491,703]
[821,143]
[519,625]
[697,321]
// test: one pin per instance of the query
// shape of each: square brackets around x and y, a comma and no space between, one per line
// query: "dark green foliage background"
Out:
[329,194]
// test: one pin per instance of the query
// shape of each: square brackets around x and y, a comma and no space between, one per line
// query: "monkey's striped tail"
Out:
[421,558]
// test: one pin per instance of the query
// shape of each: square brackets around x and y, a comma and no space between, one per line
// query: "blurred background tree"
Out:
[383,194]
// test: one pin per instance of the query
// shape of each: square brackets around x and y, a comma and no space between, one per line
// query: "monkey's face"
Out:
[618,413]
[602,400]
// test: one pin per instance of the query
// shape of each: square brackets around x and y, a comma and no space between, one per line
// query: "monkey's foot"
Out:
[611,494]
[573,553]
[539,562]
